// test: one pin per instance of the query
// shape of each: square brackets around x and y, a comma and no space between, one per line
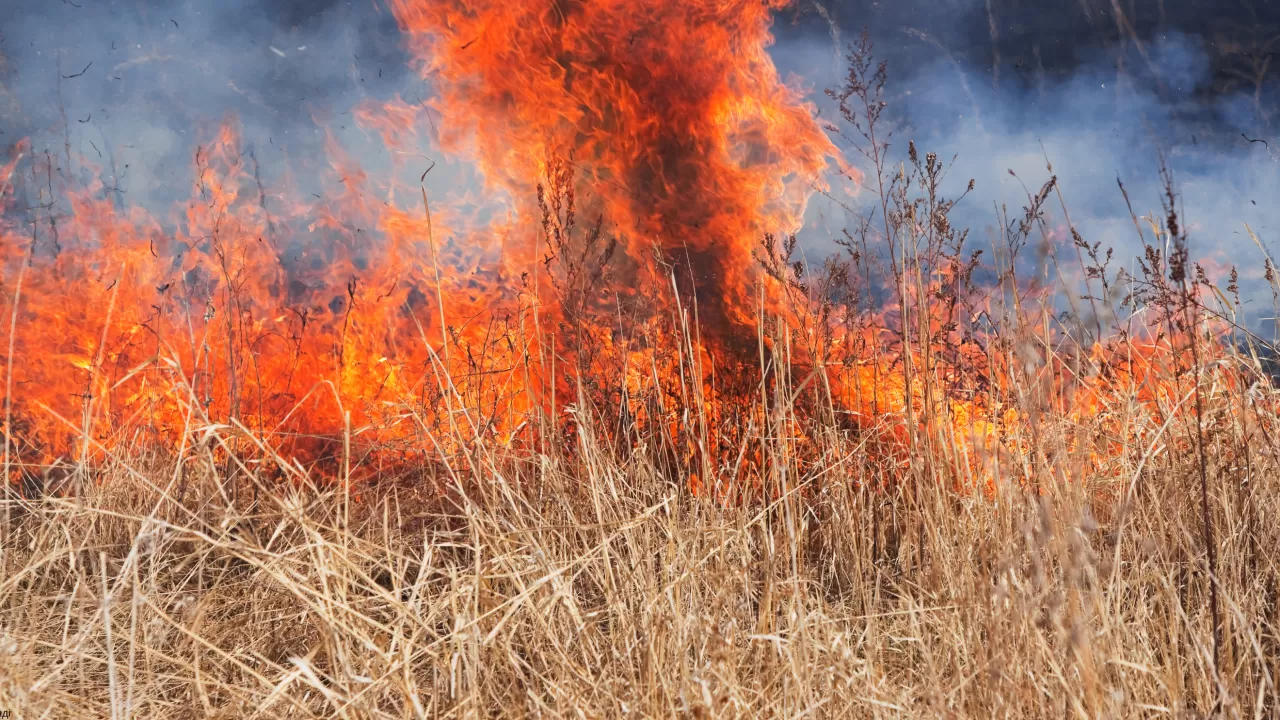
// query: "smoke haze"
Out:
[1100,113]
[137,85]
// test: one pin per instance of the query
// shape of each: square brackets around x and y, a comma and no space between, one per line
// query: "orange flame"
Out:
[673,111]
[388,316]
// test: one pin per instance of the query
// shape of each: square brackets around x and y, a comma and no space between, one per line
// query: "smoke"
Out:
[267,58]
[136,87]
[1095,125]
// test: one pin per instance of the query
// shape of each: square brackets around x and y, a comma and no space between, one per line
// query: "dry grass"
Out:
[600,587]
[583,578]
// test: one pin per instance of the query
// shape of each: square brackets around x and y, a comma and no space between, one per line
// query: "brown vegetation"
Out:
[971,506]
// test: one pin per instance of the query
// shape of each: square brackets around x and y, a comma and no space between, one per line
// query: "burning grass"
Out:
[594,583]
[288,459]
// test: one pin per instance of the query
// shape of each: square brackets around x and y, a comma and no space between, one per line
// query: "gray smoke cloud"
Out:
[136,86]
[1095,126]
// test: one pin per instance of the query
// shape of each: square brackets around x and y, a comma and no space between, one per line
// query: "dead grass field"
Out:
[1109,558]
[598,586]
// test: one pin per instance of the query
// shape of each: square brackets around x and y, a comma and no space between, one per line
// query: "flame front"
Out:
[672,112]
[404,323]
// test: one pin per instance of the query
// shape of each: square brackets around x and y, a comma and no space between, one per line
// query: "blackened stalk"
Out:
[1210,541]
[1179,270]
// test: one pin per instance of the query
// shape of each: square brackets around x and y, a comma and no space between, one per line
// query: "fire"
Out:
[644,150]
[672,112]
